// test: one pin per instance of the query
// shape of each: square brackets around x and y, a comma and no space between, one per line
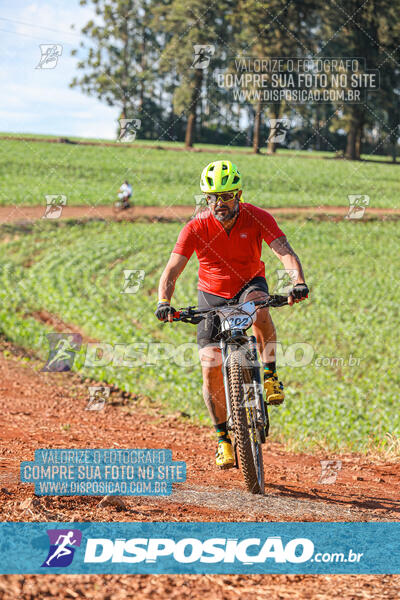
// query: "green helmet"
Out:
[220,176]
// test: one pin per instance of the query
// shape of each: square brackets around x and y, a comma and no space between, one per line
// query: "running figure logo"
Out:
[201,211]
[329,471]
[133,279]
[61,551]
[202,55]
[50,54]
[98,395]
[54,206]
[250,392]
[278,130]
[128,129]
[63,347]
[357,206]
[286,280]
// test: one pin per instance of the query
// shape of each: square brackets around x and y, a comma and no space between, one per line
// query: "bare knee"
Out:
[263,317]
[210,358]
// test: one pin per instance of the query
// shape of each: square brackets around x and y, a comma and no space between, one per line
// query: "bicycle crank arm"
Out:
[236,456]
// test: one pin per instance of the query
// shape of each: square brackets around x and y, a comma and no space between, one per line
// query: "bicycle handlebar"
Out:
[189,315]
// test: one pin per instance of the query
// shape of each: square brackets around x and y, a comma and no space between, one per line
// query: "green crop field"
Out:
[339,353]
[93,174]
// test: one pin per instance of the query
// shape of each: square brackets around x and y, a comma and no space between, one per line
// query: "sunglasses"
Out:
[223,196]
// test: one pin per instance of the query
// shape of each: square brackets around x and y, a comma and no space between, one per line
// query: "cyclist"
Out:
[227,238]
[125,194]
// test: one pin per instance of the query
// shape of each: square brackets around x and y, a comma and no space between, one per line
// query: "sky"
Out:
[37,100]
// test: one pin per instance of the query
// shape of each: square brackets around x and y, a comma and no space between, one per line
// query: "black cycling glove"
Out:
[163,310]
[299,292]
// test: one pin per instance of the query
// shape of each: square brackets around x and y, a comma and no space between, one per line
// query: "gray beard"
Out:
[231,214]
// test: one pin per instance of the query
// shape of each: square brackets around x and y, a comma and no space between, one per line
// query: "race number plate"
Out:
[236,321]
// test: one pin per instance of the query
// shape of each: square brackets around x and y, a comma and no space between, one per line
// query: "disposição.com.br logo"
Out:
[174,552]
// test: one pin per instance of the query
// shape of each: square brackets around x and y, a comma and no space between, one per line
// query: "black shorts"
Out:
[209,328]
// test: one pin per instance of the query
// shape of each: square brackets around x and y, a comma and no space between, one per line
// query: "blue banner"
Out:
[329,548]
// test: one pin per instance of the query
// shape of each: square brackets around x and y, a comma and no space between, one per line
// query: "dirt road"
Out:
[47,410]
[27,214]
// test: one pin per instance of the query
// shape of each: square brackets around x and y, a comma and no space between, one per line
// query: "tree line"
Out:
[156,60]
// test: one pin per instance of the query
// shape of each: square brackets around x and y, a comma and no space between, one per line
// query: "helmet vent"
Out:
[224,179]
[209,181]
[235,179]
[224,167]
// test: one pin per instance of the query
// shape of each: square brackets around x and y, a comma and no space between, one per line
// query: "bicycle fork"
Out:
[261,406]
[261,410]
[224,355]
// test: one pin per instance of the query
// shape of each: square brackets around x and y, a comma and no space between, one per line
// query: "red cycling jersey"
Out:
[228,262]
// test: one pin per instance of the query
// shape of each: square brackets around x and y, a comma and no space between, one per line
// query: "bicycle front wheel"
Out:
[244,421]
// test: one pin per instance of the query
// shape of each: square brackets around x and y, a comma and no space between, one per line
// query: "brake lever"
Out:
[275,301]
[194,320]
[186,316]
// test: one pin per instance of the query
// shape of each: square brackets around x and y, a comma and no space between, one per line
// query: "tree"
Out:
[274,29]
[121,50]
[191,25]
[370,31]
[389,69]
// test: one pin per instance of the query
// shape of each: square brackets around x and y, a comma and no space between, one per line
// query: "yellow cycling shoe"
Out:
[224,455]
[273,389]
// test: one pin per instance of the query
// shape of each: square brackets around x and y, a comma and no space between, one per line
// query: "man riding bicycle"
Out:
[125,194]
[227,238]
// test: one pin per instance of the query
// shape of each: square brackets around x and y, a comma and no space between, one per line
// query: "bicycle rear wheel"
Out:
[244,420]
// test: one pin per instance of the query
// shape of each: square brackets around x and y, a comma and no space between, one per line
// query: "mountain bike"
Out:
[247,413]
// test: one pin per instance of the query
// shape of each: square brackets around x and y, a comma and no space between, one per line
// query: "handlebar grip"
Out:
[276,300]
[273,301]
[177,314]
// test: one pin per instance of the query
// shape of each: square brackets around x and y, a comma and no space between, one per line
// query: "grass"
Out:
[93,174]
[346,396]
